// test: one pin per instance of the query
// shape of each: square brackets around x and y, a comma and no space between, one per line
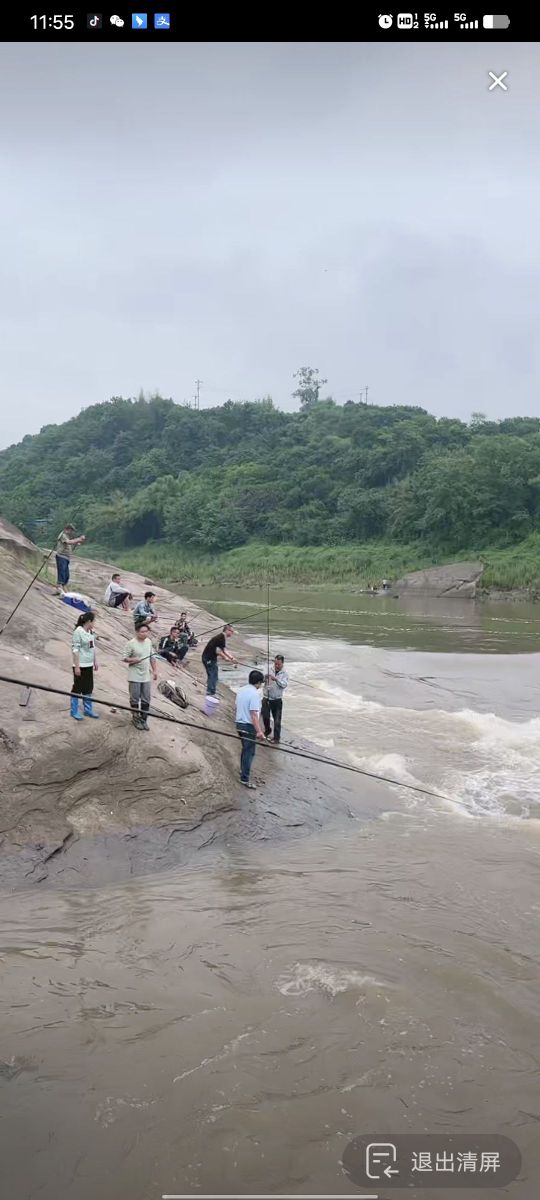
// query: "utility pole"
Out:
[198,393]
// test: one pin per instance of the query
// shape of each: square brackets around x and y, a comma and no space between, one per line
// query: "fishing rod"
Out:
[268,630]
[238,620]
[26,591]
[272,748]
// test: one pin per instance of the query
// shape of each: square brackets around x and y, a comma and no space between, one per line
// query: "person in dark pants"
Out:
[116,595]
[139,655]
[144,612]
[83,645]
[65,543]
[272,706]
[173,648]
[216,646]
[248,723]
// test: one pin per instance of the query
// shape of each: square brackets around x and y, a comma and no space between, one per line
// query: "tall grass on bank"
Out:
[256,563]
[347,565]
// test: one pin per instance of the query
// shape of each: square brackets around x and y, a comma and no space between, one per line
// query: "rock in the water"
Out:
[454,579]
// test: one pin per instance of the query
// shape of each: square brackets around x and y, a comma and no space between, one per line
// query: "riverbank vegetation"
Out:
[347,565]
[342,492]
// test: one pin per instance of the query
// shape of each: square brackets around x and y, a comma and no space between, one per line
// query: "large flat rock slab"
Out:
[454,579]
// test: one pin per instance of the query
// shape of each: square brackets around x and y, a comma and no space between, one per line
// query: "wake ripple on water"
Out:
[330,980]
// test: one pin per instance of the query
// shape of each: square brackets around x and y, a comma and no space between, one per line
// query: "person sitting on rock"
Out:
[170,647]
[144,612]
[116,595]
[83,645]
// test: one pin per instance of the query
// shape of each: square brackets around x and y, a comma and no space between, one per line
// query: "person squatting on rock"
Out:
[83,646]
[139,655]
[144,612]
[248,723]
[174,646]
[65,543]
[272,706]
[216,646]
[116,595]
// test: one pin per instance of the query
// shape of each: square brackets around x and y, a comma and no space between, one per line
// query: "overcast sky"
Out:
[233,212]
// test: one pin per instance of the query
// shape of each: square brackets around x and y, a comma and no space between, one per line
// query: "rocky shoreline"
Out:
[96,802]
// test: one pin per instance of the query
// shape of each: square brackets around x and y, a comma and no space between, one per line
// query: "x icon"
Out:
[497,81]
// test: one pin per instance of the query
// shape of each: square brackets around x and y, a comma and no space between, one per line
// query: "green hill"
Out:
[203,483]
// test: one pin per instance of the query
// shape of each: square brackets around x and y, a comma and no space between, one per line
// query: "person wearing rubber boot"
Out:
[139,655]
[83,646]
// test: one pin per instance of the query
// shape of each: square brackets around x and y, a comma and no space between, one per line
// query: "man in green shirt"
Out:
[139,655]
[65,543]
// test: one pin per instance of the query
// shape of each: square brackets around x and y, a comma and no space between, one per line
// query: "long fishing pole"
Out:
[273,748]
[268,630]
[26,591]
[238,620]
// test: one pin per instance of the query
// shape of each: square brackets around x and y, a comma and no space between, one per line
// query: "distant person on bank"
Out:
[183,627]
[144,612]
[248,723]
[65,543]
[83,647]
[116,595]
[139,655]
[217,646]
[272,706]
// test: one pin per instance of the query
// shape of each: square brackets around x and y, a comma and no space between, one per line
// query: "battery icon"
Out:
[499,22]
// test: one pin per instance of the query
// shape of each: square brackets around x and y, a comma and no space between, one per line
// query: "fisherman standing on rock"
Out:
[65,543]
[216,646]
[272,706]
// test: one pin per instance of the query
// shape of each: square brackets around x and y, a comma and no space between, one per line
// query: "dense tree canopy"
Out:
[130,471]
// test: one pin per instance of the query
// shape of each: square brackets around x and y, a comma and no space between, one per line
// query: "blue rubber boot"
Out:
[88,708]
[75,708]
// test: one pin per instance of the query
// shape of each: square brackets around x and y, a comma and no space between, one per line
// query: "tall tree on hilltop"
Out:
[309,386]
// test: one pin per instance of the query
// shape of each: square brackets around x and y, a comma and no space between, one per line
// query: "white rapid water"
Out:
[456,725]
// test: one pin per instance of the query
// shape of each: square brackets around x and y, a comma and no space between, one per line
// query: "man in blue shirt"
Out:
[144,612]
[248,723]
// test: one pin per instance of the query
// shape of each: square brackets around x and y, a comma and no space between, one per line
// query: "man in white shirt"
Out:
[248,723]
[116,595]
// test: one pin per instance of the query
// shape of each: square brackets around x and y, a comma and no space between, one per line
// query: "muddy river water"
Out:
[226,1028]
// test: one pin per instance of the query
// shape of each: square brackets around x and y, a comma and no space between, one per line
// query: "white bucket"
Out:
[210,705]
